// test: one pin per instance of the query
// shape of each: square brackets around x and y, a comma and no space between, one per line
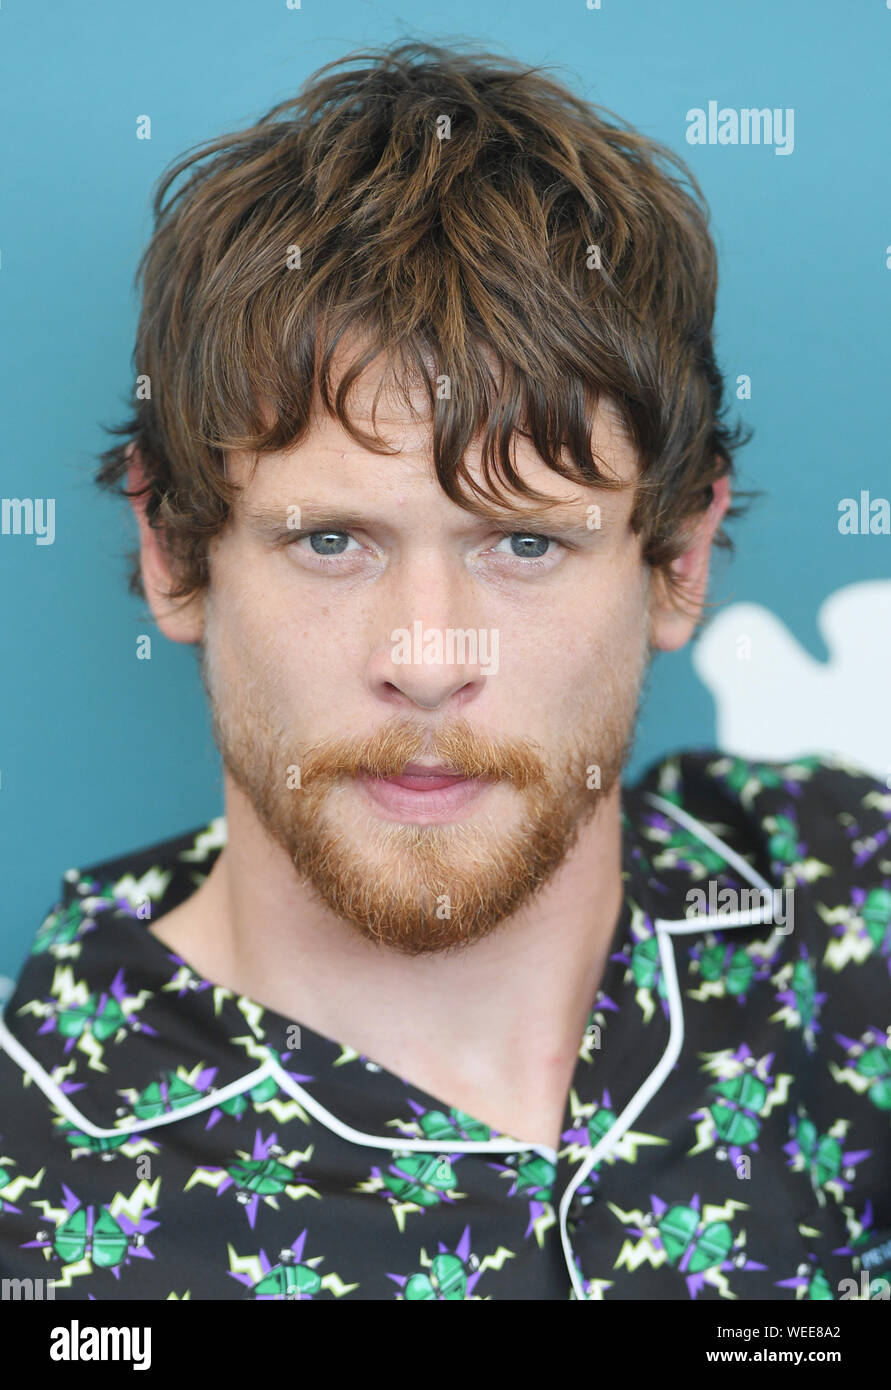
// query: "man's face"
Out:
[338,648]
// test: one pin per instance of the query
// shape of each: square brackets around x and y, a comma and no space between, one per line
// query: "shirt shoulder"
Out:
[817,828]
[800,809]
[199,846]
[137,884]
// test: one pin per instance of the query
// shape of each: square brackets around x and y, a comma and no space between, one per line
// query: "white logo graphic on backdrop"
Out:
[775,701]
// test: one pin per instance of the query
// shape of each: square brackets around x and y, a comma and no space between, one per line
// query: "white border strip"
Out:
[644,1094]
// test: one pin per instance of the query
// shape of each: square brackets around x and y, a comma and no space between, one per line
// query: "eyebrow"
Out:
[268,520]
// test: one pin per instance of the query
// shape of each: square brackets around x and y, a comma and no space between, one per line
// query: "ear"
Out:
[671,627]
[182,620]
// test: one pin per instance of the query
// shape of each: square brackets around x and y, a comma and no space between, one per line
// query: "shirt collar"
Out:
[149,1041]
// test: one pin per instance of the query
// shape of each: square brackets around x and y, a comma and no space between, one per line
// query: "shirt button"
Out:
[575,1209]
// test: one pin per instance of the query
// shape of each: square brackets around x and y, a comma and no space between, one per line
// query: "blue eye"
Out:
[527,545]
[329,542]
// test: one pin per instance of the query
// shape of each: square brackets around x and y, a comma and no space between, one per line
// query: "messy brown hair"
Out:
[455,210]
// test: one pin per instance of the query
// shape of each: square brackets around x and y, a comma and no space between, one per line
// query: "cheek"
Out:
[618,615]
[246,641]
[596,658]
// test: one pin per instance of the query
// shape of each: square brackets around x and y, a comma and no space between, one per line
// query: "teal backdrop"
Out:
[101,753]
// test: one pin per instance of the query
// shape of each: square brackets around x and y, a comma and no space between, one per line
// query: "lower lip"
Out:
[411,798]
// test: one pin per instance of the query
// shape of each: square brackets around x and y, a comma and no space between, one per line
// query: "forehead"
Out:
[398,412]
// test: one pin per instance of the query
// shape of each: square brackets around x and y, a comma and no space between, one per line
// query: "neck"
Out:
[494,1030]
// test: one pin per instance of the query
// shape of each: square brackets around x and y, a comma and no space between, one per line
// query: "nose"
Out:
[428,666]
[429,656]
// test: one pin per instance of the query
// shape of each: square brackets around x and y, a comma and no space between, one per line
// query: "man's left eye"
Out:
[527,545]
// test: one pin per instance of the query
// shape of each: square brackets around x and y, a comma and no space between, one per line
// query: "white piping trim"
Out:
[725,919]
[664,932]
[439,1146]
[271,1067]
[53,1092]
[703,833]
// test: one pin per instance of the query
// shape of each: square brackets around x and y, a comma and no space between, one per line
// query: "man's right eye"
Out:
[329,542]
[325,544]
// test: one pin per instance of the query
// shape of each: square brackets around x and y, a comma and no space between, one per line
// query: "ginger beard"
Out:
[416,888]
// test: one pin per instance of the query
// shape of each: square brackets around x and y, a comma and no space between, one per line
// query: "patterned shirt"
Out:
[727,1132]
